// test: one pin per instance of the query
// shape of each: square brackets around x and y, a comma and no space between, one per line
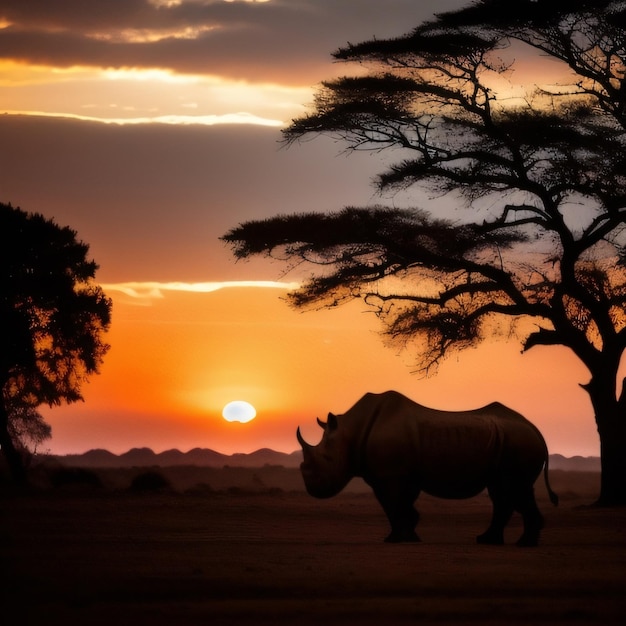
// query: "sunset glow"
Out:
[176,363]
[141,96]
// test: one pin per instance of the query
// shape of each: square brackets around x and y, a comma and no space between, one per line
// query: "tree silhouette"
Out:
[27,427]
[52,321]
[539,249]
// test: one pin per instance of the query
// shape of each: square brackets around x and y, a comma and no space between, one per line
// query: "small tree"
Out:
[27,428]
[542,250]
[52,321]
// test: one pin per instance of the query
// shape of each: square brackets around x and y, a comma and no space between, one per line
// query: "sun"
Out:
[239,411]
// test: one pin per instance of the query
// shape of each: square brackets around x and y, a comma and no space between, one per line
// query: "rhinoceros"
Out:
[401,448]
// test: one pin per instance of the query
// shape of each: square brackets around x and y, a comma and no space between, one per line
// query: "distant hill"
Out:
[201,457]
[575,463]
[204,457]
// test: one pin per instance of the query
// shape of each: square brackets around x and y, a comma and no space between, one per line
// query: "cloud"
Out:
[275,41]
[152,200]
[134,61]
[145,292]
[142,95]
[184,120]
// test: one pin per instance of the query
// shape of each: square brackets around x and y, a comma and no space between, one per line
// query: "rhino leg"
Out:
[507,499]
[503,508]
[398,504]
[526,505]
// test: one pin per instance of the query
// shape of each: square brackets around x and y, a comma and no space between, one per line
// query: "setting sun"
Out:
[239,411]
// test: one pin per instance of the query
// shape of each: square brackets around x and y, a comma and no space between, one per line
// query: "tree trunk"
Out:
[610,414]
[11,454]
[613,460]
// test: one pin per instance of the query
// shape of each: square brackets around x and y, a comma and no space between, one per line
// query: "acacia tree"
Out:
[541,248]
[52,321]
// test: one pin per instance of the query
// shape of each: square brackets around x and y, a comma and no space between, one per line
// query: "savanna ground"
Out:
[250,547]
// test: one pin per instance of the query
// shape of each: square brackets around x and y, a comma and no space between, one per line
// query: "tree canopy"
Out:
[538,241]
[52,320]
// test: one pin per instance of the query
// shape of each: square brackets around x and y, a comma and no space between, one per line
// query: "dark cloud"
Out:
[279,40]
[152,200]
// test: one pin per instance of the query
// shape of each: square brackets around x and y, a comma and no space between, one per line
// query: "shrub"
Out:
[149,481]
[74,476]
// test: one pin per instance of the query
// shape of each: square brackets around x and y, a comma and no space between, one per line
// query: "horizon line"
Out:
[261,449]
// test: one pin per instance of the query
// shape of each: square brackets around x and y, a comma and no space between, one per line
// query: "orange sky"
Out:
[151,128]
[177,360]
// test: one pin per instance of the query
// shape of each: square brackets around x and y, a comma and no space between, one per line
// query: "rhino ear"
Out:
[331,424]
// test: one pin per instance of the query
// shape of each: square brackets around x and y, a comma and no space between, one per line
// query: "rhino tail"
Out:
[554,498]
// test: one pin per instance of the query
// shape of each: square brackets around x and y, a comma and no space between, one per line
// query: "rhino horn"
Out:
[301,441]
[321,423]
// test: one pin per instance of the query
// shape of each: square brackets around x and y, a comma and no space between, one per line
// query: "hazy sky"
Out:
[153,127]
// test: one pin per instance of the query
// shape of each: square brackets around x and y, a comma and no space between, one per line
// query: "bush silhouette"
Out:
[149,481]
[74,476]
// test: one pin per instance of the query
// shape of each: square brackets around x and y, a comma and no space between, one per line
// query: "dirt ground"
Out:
[264,552]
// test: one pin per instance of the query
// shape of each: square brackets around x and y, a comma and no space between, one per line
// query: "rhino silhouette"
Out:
[401,449]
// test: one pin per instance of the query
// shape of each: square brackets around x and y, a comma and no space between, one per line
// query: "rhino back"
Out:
[451,454]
